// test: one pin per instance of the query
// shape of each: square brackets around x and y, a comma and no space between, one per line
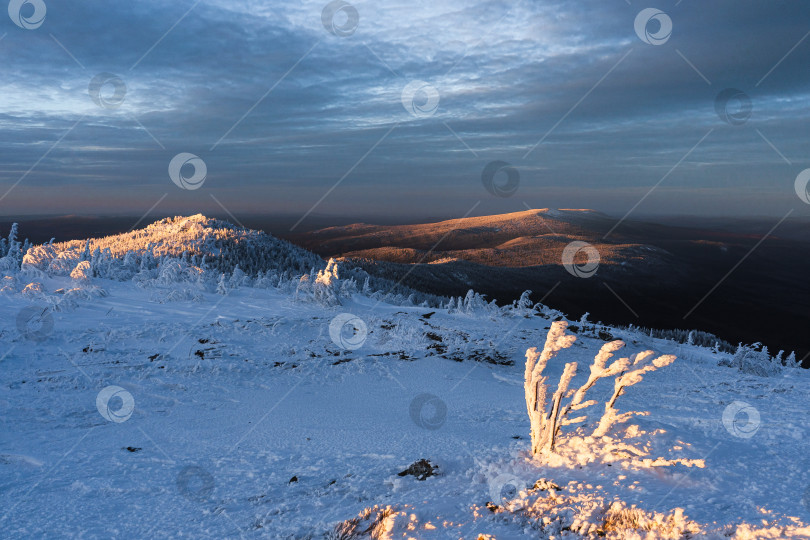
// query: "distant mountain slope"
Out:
[518,239]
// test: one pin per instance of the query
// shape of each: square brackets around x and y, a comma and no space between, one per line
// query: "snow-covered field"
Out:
[238,414]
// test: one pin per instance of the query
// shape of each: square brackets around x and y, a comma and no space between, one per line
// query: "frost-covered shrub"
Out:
[548,415]
[71,298]
[473,304]
[9,285]
[756,360]
[33,290]
[176,294]
[550,314]
[39,257]
[522,307]
[222,285]
[267,280]
[325,286]
[239,279]
[82,272]
[8,264]
[62,264]
[172,271]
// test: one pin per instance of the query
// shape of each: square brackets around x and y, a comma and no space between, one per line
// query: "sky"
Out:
[404,109]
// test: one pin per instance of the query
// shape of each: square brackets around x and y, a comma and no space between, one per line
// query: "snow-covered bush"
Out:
[62,264]
[222,285]
[473,305]
[9,285]
[33,290]
[325,286]
[756,360]
[70,299]
[173,271]
[176,294]
[82,272]
[548,416]
[39,257]
[522,307]
[239,279]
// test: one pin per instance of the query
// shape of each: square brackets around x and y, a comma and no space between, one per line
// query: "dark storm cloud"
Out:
[506,72]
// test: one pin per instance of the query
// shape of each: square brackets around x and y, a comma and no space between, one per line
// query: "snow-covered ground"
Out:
[241,415]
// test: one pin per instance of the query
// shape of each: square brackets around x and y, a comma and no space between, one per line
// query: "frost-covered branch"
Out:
[535,384]
[629,378]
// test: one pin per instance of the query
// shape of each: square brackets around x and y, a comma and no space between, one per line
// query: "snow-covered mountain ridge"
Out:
[285,404]
[195,238]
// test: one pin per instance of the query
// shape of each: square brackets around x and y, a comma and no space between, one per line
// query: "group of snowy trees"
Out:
[200,254]
[756,359]
[12,251]
[687,337]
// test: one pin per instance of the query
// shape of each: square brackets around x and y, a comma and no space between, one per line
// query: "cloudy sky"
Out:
[394,108]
